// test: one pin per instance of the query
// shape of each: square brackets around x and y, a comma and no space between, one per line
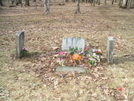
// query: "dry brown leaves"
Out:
[44,68]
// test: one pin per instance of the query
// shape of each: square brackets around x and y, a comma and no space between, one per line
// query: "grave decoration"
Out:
[24,52]
[74,57]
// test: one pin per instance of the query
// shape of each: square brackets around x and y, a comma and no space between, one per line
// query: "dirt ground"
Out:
[32,79]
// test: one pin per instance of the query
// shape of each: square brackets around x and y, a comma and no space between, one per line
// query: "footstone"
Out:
[69,69]
[19,43]
[73,42]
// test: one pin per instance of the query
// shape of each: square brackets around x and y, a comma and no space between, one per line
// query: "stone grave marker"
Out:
[68,69]
[66,44]
[110,47]
[19,43]
[73,42]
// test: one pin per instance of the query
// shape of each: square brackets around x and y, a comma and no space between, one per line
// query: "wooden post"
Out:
[19,43]
[110,47]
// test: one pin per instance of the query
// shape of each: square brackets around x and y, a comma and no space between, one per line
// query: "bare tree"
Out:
[129,4]
[27,3]
[98,2]
[105,2]
[112,2]
[92,2]
[1,3]
[126,3]
[78,7]
[18,2]
[47,6]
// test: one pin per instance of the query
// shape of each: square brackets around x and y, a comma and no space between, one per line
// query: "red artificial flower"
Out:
[87,48]
[120,89]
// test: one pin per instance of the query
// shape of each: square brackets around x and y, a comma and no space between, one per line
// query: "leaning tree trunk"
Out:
[78,7]
[1,3]
[47,6]
[27,3]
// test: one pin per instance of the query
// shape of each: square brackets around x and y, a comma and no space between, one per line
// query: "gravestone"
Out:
[19,43]
[73,42]
[66,44]
[110,47]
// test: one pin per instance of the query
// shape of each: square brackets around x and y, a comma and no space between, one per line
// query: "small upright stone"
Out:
[73,42]
[110,47]
[19,43]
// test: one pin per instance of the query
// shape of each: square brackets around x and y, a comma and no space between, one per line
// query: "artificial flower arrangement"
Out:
[24,51]
[75,57]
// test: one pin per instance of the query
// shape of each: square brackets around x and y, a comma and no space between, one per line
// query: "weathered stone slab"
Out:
[73,42]
[19,43]
[69,69]
[110,47]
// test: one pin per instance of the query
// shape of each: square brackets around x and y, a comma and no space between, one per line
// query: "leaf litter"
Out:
[93,84]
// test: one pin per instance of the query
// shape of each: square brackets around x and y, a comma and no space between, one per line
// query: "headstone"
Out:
[19,43]
[110,47]
[68,69]
[73,42]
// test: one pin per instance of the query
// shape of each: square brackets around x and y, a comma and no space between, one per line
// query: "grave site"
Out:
[64,56]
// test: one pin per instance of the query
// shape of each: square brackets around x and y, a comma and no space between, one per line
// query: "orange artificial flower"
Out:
[99,51]
[76,57]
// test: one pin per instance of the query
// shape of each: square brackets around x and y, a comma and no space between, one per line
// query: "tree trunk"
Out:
[105,2]
[66,0]
[128,4]
[27,3]
[18,2]
[112,2]
[93,2]
[73,0]
[63,1]
[119,3]
[98,2]
[1,3]
[47,6]
[78,7]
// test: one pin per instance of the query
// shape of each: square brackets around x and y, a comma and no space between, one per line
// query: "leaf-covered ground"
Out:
[32,79]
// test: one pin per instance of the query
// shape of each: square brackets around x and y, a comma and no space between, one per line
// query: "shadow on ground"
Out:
[123,59]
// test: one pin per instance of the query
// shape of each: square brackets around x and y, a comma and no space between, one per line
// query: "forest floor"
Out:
[29,79]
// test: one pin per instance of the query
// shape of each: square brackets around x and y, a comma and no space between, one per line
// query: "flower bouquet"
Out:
[24,51]
[74,57]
